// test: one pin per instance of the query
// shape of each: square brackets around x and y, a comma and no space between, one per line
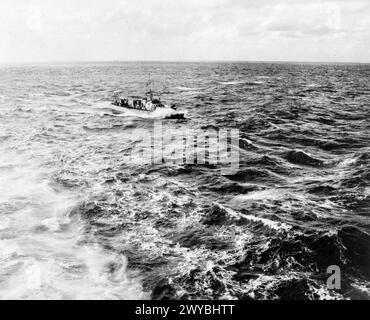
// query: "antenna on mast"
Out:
[149,84]
[164,87]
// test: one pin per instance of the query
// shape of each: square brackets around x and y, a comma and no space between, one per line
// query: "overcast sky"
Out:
[271,30]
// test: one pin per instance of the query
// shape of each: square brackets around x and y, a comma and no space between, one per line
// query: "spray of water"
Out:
[44,253]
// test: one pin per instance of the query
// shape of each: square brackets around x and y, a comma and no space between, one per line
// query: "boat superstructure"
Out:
[147,104]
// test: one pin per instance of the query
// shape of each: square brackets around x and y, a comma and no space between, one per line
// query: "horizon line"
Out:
[16,63]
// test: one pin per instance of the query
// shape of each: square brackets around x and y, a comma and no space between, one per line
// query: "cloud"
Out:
[35,30]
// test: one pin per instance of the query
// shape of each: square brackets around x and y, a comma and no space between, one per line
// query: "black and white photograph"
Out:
[184,150]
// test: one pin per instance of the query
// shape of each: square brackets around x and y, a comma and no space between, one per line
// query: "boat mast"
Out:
[150,88]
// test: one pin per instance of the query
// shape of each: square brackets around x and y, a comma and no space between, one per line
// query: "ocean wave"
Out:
[96,225]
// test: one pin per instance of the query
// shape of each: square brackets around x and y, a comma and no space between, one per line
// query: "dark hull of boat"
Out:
[164,113]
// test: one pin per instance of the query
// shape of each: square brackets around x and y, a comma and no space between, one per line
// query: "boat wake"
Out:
[160,113]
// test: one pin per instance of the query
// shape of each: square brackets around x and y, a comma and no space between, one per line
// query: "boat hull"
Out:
[159,113]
